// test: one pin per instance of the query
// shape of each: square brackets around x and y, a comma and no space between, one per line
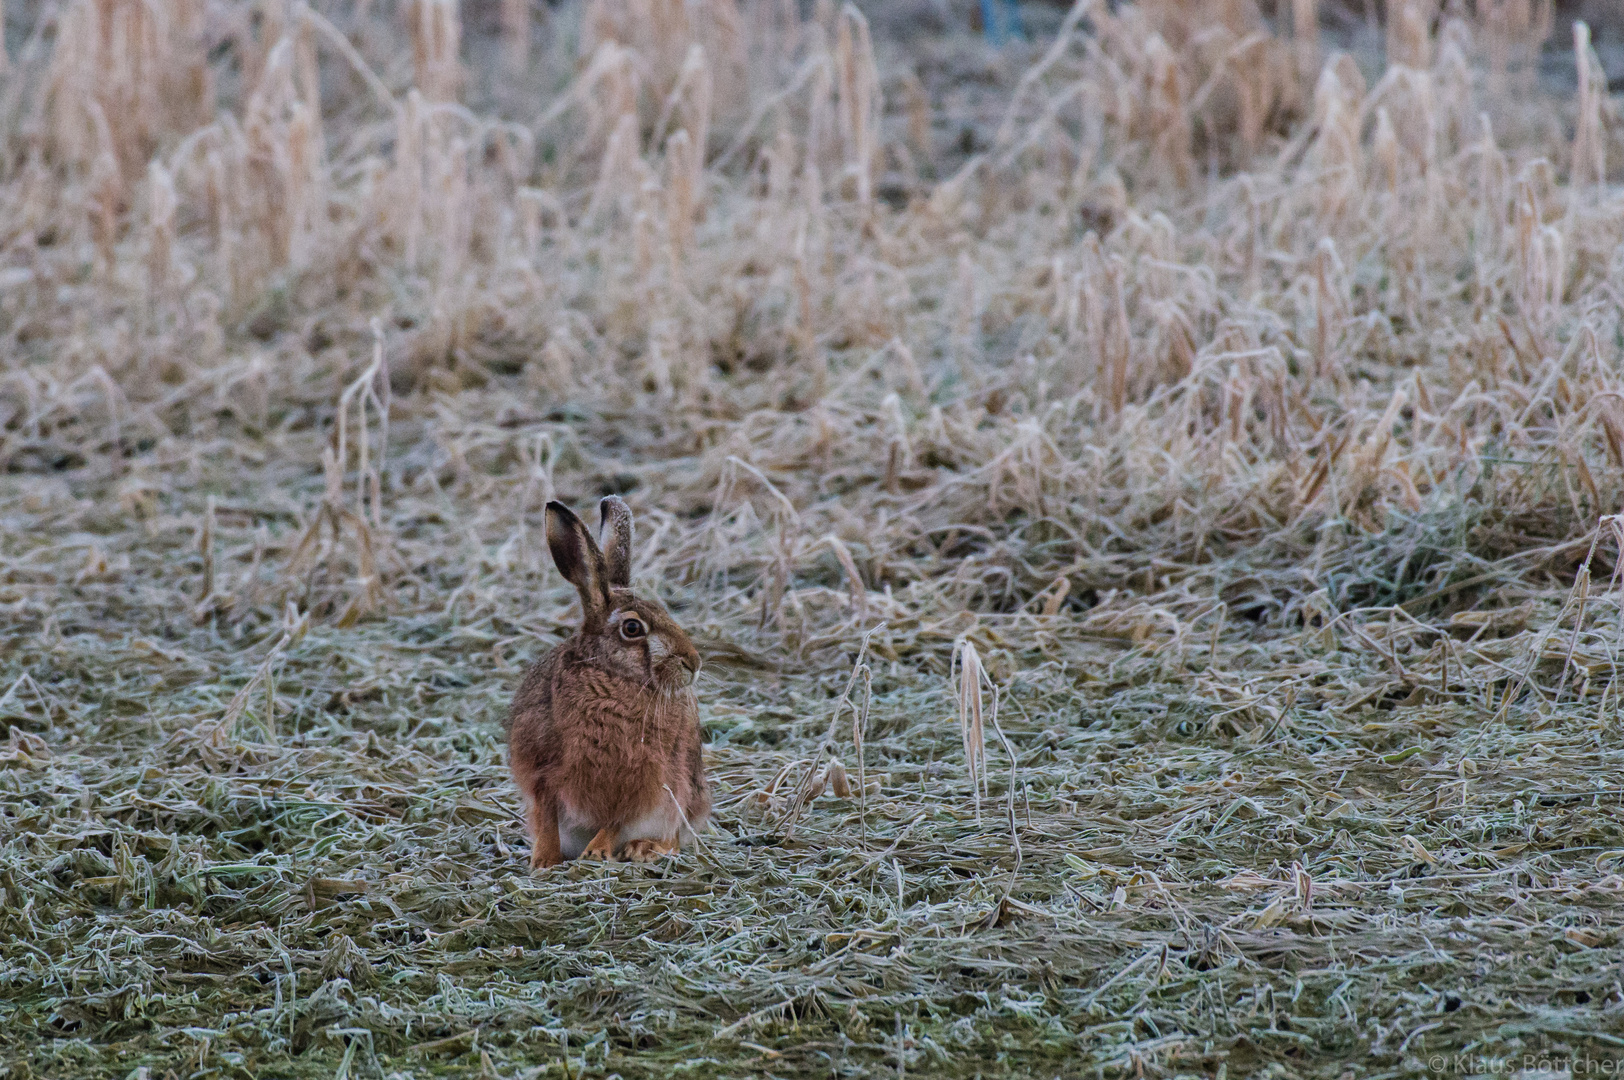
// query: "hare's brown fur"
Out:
[604,737]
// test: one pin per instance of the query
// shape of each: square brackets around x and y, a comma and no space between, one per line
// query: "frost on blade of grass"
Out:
[1217,408]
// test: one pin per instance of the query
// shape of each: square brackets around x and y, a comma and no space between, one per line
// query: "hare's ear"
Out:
[615,540]
[577,556]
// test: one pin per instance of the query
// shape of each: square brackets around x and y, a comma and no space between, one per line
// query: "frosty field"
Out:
[1172,463]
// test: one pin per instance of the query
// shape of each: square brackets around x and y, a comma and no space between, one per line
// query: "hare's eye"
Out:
[632,629]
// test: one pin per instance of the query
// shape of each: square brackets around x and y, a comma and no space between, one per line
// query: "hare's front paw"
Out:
[602,847]
[646,851]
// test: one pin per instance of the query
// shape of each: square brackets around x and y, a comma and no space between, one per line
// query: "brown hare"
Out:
[603,734]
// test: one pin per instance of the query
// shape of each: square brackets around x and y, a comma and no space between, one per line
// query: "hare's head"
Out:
[628,636]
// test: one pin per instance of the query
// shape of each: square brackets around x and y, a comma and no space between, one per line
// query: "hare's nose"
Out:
[693,663]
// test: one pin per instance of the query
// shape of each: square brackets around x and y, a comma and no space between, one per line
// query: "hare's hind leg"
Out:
[646,851]
[541,813]
[658,832]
